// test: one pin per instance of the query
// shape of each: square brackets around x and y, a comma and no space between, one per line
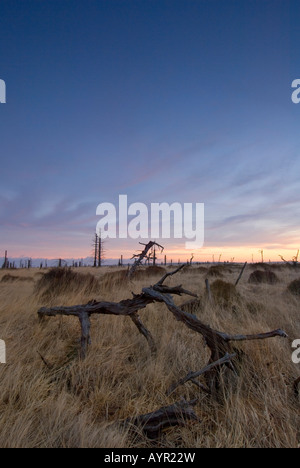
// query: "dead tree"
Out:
[142,255]
[100,251]
[96,245]
[262,255]
[5,263]
[154,257]
[219,343]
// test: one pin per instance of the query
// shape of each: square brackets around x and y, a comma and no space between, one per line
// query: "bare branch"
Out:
[177,290]
[259,336]
[193,375]
[201,386]
[143,330]
[162,280]
[47,364]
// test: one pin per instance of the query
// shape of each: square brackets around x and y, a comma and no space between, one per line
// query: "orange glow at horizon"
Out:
[206,254]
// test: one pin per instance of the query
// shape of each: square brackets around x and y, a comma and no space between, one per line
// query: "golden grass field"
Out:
[83,403]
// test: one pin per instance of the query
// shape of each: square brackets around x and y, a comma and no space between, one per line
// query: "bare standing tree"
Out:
[5,263]
[100,251]
[96,245]
[154,257]
[262,255]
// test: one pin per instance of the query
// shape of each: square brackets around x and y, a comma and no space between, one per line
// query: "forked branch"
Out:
[193,375]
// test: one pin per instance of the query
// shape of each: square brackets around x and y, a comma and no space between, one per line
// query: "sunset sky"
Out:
[164,101]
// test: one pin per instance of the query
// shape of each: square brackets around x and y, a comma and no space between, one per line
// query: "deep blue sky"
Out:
[185,101]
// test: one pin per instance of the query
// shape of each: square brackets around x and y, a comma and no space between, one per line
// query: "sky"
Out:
[183,101]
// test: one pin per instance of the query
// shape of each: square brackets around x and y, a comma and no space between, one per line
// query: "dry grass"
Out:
[225,294]
[80,404]
[64,281]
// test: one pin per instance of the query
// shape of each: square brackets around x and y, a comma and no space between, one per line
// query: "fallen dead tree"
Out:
[218,342]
